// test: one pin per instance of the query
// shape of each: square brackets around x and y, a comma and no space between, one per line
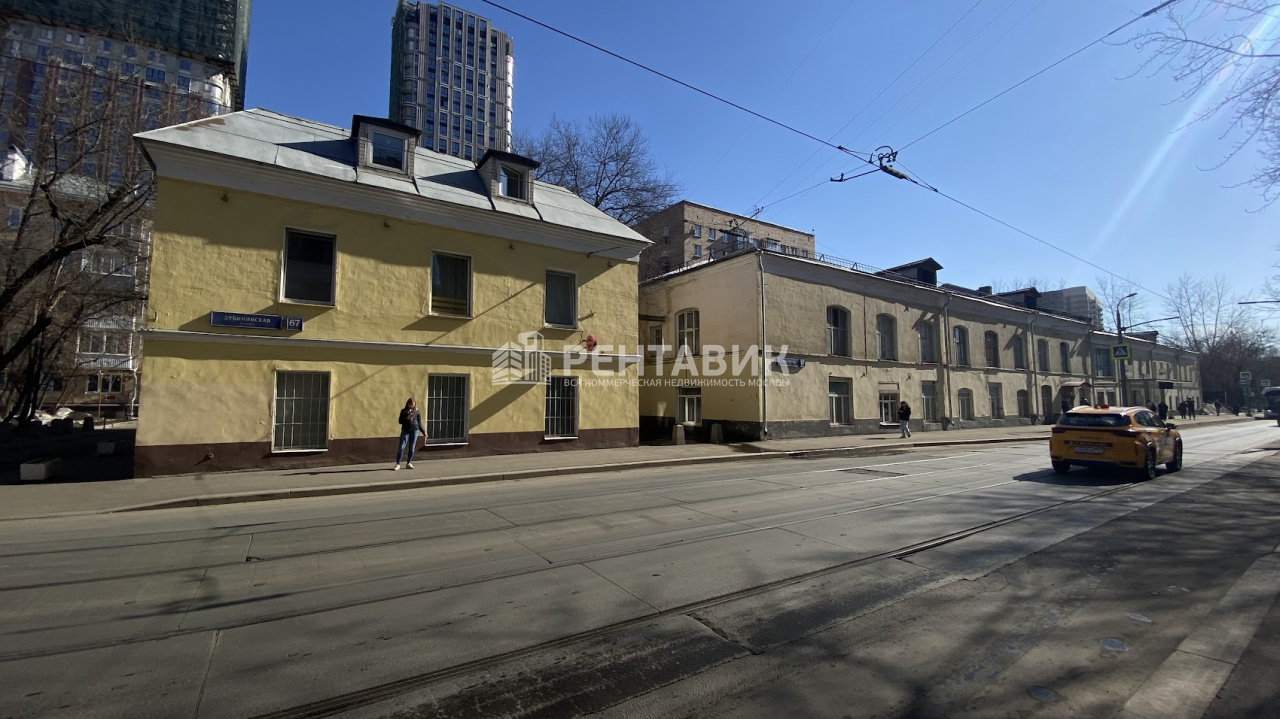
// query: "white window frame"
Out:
[505,173]
[471,285]
[686,398]
[546,302]
[685,332]
[888,401]
[697,230]
[574,382]
[834,411]
[94,382]
[466,411]
[405,149]
[655,341]
[333,272]
[275,404]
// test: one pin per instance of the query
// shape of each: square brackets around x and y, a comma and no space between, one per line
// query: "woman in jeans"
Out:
[410,428]
[904,419]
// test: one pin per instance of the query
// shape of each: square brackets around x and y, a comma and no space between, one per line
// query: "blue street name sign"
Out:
[257,322]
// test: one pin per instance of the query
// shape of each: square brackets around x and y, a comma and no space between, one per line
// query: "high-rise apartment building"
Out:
[77,81]
[451,79]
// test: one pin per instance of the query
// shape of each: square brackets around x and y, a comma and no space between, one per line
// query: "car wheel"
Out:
[1148,470]
[1175,464]
[1061,467]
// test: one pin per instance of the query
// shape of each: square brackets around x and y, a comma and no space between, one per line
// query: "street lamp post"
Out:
[1124,379]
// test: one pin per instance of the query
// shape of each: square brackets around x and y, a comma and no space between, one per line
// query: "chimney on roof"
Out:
[984,290]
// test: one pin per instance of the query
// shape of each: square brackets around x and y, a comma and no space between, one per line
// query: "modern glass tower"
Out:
[451,78]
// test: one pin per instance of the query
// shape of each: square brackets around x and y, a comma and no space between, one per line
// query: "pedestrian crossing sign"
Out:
[1120,352]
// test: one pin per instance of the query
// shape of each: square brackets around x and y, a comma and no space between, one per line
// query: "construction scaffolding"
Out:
[215,31]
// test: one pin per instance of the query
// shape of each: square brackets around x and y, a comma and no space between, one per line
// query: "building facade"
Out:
[1079,301]
[304,286]
[451,75]
[687,232]
[857,343]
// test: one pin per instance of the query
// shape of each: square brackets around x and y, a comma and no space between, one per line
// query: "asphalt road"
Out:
[626,593]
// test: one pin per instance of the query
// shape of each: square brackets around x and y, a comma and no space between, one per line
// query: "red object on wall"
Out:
[589,342]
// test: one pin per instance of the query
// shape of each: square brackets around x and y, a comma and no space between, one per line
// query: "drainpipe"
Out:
[764,342]
[946,365]
[1033,368]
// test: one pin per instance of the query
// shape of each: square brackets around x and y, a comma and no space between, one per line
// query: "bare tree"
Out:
[1112,292]
[1044,284]
[607,163]
[1223,47]
[74,251]
[1208,312]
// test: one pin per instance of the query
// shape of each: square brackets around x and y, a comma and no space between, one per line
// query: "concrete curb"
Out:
[748,452]
[209,500]
[1185,684]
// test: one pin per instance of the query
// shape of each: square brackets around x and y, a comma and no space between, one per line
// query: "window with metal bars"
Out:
[562,407]
[302,411]
[447,403]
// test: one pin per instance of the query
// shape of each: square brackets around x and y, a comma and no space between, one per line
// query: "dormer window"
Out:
[511,183]
[386,150]
[508,175]
[384,146]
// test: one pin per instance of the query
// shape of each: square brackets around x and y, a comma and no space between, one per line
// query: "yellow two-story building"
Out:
[306,280]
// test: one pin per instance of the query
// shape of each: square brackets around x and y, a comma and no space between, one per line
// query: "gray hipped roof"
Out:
[290,143]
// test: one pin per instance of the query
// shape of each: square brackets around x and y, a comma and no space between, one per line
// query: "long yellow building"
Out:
[307,279]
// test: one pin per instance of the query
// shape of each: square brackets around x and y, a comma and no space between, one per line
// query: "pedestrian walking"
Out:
[1182,409]
[904,419]
[410,428]
[1152,407]
[1191,407]
[1163,410]
[1217,408]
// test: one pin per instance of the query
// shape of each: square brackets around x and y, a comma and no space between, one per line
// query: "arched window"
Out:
[886,337]
[1042,355]
[1024,403]
[1019,352]
[991,348]
[687,332]
[838,331]
[1064,350]
[960,337]
[965,403]
[928,354]
[1046,400]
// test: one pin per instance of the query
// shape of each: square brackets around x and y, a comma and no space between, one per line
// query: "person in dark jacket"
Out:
[1182,409]
[1163,410]
[904,419]
[410,428]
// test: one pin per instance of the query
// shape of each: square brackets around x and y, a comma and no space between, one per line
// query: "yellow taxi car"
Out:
[1100,435]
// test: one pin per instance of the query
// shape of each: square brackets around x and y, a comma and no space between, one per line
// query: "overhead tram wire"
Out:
[1038,73]
[681,83]
[869,103]
[1042,241]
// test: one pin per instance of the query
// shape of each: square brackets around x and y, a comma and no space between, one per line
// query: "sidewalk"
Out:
[27,501]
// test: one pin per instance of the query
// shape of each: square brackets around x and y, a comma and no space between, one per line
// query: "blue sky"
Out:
[1087,156]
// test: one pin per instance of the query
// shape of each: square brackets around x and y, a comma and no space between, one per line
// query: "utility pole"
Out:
[1124,379]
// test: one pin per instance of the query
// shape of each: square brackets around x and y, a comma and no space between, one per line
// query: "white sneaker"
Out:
[409,465]
[395,468]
